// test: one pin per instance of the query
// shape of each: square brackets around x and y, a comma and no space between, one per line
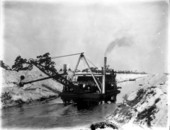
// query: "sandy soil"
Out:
[142,104]
[13,95]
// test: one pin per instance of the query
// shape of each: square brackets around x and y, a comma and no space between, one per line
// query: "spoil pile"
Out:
[13,94]
[142,104]
[146,107]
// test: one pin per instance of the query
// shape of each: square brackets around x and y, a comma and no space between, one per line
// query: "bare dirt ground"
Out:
[13,94]
[142,104]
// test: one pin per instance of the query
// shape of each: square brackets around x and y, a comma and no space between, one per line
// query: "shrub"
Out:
[5,97]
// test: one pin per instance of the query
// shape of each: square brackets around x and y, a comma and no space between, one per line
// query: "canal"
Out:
[53,114]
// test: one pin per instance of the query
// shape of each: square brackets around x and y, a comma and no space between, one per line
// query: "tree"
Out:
[3,65]
[21,64]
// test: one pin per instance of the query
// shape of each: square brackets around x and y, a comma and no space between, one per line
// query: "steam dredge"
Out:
[92,85]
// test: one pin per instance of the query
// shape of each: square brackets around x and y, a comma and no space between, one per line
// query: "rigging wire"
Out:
[84,65]
[91,62]
[66,55]
[73,55]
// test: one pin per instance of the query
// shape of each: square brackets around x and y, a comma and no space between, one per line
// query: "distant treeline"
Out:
[108,70]
[46,61]
[27,64]
[129,72]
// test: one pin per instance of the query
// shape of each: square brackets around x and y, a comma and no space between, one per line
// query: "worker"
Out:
[22,77]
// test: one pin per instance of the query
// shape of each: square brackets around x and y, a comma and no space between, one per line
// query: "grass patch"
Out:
[147,115]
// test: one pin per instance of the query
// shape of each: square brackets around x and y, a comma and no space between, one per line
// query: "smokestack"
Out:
[104,76]
[65,68]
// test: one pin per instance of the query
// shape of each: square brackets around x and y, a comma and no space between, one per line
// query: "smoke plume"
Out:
[119,42]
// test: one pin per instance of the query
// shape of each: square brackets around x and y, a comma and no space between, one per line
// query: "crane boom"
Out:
[43,64]
[56,76]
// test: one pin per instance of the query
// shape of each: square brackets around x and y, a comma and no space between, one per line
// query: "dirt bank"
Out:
[12,94]
[142,104]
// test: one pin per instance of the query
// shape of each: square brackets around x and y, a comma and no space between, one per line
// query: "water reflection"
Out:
[54,114]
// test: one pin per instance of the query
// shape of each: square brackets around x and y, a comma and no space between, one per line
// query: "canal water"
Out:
[53,114]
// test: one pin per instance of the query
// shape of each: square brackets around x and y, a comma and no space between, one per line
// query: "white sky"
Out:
[32,29]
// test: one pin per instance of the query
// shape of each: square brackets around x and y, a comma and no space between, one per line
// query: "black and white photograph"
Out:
[84,65]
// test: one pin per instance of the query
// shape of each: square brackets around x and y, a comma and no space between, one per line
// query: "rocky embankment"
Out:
[12,94]
[142,104]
